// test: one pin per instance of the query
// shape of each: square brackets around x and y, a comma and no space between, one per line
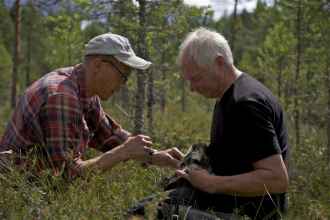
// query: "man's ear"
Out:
[96,64]
[220,60]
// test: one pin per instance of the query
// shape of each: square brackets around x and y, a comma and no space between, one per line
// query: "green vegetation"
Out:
[285,45]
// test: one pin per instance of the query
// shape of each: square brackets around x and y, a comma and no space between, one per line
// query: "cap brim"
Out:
[133,61]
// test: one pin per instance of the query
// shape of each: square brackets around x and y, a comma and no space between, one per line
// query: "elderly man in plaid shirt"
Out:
[60,116]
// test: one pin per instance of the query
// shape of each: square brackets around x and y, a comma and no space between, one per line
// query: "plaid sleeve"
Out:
[61,121]
[107,132]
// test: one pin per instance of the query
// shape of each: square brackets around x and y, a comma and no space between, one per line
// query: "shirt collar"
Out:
[79,73]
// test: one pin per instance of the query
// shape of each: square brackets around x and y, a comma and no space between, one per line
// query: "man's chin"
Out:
[211,95]
[205,95]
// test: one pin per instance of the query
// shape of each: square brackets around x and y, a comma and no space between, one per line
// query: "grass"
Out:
[108,195]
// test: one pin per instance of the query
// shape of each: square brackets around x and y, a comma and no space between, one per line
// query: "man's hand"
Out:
[167,158]
[199,178]
[137,147]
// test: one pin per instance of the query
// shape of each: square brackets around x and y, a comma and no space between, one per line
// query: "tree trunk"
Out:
[279,79]
[139,106]
[183,95]
[16,60]
[328,110]
[124,98]
[163,90]
[140,95]
[28,53]
[150,89]
[233,27]
[297,73]
[162,71]
[69,42]
[150,101]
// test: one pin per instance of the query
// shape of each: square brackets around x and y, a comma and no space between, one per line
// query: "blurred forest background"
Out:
[283,43]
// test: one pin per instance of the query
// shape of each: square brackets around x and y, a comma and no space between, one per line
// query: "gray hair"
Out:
[202,46]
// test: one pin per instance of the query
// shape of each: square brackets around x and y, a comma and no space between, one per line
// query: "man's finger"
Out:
[176,153]
[147,143]
[174,163]
[148,150]
[145,137]
[183,174]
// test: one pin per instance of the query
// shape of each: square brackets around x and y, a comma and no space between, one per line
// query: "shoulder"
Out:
[59,81]
[249,92]
[54,87]
[247,87]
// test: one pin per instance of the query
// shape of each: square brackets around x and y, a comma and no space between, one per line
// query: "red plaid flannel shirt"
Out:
[55,113]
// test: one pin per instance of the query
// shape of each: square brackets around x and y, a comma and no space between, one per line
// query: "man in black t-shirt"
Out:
[249,140]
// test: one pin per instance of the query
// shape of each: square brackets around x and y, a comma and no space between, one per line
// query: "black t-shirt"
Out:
[247,126]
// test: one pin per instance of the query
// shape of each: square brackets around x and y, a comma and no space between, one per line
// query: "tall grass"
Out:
[108,195]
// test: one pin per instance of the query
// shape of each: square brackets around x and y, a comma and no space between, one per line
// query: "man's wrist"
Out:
[212,184]
[112,157]
[123,154]
[149,159]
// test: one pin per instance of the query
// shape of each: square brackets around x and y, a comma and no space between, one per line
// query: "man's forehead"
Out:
[122,65]
[125,66]
[191,67]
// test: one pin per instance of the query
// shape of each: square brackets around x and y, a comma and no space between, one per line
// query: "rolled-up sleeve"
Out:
[107,133]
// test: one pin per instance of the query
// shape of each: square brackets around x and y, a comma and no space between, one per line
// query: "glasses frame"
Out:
[123,76]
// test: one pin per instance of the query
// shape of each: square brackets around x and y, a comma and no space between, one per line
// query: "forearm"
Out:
[254,183]
[135,148]
[106,160]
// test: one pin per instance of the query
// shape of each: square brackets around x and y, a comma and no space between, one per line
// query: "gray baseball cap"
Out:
[117,46]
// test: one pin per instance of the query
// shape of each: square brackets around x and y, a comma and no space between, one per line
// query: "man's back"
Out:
[24,128]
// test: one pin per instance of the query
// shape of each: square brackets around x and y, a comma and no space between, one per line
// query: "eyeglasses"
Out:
[123,76]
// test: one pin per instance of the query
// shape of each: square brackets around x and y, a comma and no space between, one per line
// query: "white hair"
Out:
[202,46]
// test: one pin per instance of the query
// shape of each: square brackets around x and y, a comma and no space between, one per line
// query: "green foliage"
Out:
[5,70]
[310,181]
[93,29]
[194,127]
[274,60]
[6,27]
[65,44]
[102,195]
[108,195]
[265,47]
